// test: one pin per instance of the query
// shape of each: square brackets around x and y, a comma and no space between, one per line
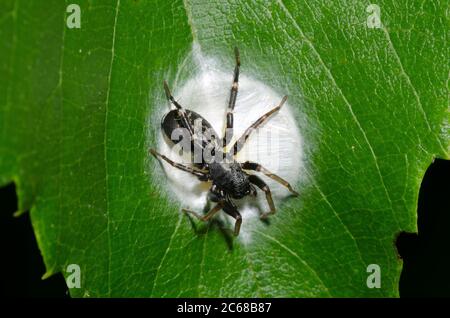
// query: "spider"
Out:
[230,180]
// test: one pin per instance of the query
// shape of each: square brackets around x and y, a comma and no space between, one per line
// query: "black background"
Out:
[426,256]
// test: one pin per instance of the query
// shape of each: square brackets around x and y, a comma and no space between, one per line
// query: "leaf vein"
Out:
[177,226]
[108,226]
[296,256]
[349,106]
[408,81]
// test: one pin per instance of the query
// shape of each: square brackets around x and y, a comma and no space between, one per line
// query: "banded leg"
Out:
[180,109]
[200,174]
[248,165]
[241,141]
[231,209]
[232,101]
[263,186]
[208,215]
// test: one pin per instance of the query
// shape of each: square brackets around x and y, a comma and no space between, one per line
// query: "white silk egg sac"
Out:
[277,144]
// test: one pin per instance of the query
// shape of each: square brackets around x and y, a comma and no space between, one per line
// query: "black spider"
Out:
[229,178]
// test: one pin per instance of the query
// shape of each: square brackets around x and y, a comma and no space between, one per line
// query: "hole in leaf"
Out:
[426,257]
[22,266]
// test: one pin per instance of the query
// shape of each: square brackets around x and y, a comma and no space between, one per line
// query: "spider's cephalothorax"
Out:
[230,180]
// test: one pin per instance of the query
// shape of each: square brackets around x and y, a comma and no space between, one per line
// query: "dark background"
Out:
[426,256]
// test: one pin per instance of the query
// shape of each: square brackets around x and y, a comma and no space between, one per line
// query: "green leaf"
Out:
[74,109]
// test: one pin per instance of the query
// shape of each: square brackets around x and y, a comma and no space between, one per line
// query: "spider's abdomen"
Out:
[175,130]
[230,178]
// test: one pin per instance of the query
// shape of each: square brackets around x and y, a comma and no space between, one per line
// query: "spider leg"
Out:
[200,174]
[184,119]
[208,215]
[232,101]
[180,109]
[241,141]
[231,209]
[263,186]
[248,165]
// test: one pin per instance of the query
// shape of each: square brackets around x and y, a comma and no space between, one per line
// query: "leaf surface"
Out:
[74,109]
